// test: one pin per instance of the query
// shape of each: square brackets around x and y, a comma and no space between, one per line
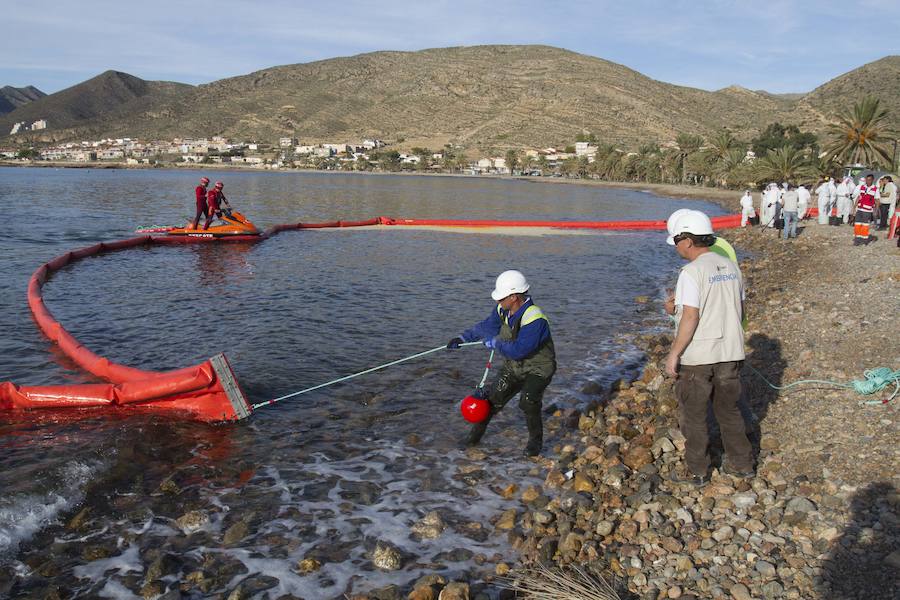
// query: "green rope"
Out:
[345,378]
[875,380]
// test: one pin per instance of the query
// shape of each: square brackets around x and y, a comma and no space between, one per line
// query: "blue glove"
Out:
[454,343]
[492,343]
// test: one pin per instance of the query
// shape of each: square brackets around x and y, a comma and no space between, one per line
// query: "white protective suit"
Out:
[803,196]
[844,191]
[826,193]
[768,206]
[746,208]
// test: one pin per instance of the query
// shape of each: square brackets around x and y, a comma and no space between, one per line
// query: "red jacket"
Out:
[212,200]
[200,192]
[867,195]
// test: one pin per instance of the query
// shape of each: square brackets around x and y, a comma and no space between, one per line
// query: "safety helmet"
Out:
[508,283]
[670,223]
[220,185]
[204,180]
[694,222]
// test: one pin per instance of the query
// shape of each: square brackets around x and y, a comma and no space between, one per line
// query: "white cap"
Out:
[692,221]
[508,283]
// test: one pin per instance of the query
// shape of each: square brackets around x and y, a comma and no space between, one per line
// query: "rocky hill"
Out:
[880,78]
[12,98]
[95,106]
[486,96]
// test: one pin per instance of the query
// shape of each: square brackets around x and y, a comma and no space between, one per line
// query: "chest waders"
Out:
[529,376]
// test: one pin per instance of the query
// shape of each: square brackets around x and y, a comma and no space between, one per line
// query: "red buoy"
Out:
[474,409]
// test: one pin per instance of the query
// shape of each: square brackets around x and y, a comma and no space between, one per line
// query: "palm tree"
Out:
[731,168]
[721,143]
[860,134]
[689,144]
[782,164]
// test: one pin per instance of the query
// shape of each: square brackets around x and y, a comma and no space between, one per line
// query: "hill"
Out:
[880,78]
[484,96]
[12,98]
[88,107]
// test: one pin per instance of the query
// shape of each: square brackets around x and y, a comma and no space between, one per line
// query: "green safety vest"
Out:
[542,362]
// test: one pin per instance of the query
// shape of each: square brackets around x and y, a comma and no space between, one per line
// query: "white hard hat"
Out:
[693,221]
[670,223]
[508,283]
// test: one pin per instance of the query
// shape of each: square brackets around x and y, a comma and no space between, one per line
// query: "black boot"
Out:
[476,433]
[535,433]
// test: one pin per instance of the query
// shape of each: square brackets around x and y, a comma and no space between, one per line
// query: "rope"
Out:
[487,369]
[875,380]
[367,371]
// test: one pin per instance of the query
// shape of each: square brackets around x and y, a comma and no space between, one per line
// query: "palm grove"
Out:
[782,153]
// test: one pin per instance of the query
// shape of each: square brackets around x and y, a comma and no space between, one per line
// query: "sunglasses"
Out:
[679,237]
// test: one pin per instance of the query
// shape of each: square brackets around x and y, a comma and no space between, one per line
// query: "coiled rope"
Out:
[875,380]
[367,371]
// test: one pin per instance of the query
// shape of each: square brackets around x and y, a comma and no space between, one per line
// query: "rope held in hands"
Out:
[373,369]
[875,380]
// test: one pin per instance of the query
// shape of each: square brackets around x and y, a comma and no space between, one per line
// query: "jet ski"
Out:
[230,224]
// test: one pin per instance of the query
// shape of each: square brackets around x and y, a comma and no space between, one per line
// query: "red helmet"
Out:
[220,185]
[204,180]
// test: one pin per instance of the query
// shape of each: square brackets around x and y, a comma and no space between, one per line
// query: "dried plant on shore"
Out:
[541,582]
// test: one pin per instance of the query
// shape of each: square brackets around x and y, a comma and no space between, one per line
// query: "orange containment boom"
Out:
[207,392]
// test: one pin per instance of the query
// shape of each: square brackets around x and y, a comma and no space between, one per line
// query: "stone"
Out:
[744,500]
[799,504]
[422,592]
[582,483]
[507,519]
[455,591]
[235,533]
[893,559]
[637,457]
[386,557]
[663,446]
[570,544]
[585,423]
[765,568]
[192,521]
[531,493]
[739,591]
[308,565]
[723,533]
[502,569]
[604,528]
[430,527]
[674,592]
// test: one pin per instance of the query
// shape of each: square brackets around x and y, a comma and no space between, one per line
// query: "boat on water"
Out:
[231,224]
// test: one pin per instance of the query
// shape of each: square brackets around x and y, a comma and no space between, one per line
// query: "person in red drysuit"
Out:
[214,199]
[200,192]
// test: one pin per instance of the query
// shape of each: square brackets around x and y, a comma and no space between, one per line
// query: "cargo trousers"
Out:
[695,387]
[508,384]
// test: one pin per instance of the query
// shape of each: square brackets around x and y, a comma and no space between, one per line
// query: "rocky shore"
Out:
[819,519]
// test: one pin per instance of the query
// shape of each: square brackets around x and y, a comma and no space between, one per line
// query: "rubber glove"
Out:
[491,343]
[454,343]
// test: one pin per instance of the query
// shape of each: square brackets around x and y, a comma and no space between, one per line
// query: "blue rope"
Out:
[875,380]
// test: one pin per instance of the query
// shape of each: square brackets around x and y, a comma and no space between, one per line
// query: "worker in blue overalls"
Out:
[520,332]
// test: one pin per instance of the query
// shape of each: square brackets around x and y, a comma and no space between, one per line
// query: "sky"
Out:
[780,46]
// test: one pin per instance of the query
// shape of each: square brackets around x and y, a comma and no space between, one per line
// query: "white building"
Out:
[17,127]
[287,142]
[41,124]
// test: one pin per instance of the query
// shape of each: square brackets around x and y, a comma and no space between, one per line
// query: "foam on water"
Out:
[21,516]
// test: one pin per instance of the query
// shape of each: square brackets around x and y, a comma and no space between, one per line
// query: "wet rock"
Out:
[531,493]
[192,521]
[455,591]
[235,533]
[582,483]
[430,527]
[153,589]
[507,519]
[386,557]
[79,521]
[308,565]
[360,492]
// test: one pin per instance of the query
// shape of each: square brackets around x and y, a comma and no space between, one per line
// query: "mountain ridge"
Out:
[484,96]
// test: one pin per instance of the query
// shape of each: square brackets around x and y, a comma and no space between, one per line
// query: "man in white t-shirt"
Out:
[708,351]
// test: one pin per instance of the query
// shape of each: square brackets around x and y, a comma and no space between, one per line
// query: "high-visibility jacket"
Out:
[524,338]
